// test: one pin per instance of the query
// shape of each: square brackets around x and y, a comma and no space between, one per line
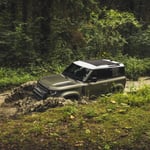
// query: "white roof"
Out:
[91,66]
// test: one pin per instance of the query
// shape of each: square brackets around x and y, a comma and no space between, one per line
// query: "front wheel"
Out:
[72,97]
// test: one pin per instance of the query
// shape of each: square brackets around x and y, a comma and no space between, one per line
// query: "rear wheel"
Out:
[117,88]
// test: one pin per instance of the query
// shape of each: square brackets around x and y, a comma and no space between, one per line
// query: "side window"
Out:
[102,74]
[116,72]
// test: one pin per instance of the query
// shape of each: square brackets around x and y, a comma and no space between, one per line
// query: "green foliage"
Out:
[138,98]
[146,61]
[19,46]
[139,43]
[115,19]
[15,76]
[11,77]
[69,110]
[90,113]
[126,126]
[45,38]
[58,35]
[103,32]
[40,68]
[62,54]
[135,67]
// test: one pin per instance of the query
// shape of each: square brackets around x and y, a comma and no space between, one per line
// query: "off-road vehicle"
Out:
[83,78]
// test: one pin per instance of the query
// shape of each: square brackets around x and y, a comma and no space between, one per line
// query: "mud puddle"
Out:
[22,101]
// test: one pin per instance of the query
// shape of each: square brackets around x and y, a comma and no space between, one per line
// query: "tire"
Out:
[72,97]
[118,88]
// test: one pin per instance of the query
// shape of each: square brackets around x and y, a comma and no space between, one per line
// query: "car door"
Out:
[98,82]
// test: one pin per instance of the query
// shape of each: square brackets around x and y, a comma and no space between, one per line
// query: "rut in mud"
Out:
[22,101]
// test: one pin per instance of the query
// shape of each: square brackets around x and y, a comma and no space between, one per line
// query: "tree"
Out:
[103,32]
[139,44]
[79,29]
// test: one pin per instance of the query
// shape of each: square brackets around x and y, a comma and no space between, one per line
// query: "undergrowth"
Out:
[12,77]
[15,76]
[135,67]
[120,121]
[9,77]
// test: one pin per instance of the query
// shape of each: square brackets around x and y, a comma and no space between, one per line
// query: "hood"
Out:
[56,81]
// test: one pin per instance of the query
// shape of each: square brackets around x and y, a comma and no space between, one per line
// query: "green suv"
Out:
[83,78]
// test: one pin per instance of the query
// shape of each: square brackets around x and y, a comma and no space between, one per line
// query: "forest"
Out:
[40,37]
[58,31]
[37,37]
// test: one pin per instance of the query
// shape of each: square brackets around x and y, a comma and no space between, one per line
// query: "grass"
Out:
[12,77]
[120,121]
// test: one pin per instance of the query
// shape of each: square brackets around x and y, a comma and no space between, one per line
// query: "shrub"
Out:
[10,77]
[135,67]
[138,98]
[139,43]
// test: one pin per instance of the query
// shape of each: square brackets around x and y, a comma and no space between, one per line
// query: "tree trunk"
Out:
[24,10]
[13,11]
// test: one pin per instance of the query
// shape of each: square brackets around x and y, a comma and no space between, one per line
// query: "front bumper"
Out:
[40,93]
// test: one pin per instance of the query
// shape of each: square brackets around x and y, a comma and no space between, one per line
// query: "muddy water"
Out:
[6,112]
[21,101]
[7,99]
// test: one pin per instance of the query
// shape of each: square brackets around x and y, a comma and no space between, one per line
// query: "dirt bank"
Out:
[22,101]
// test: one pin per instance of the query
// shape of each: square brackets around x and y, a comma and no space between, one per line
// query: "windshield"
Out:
[76,72]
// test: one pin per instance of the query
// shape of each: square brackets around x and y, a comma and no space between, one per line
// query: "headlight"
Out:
[52,93]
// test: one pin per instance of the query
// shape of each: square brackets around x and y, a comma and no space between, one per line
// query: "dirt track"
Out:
[10,108]
[135,85]
[5,111]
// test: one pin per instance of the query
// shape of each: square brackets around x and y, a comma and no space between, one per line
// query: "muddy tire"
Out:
[72,97]
[117,88]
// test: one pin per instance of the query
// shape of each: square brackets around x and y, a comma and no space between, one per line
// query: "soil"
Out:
[22,101]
